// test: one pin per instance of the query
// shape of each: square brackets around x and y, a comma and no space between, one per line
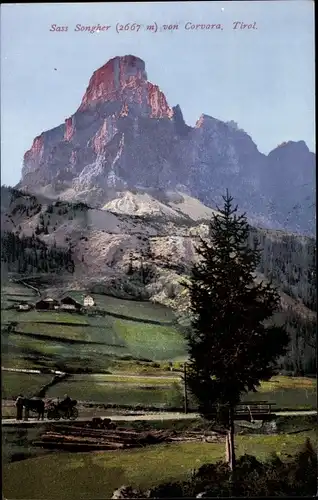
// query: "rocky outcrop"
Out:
[290,184]
[124,79]
[125,135]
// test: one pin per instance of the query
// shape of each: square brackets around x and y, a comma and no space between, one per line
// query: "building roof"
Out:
[68,298]
[74,294]
[48,299]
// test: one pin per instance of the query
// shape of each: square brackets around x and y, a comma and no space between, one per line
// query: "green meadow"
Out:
[84,476]
[137,331]
[133,337]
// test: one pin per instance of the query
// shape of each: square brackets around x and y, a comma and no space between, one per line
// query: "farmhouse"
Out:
[47,304]
[70,304]
[24,306]
[89,301]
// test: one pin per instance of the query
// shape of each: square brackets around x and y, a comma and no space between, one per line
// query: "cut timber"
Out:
[79,446]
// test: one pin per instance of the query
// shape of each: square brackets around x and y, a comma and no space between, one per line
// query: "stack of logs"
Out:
[87,437]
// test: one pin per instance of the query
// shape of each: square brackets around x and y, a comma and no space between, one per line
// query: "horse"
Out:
[36,405]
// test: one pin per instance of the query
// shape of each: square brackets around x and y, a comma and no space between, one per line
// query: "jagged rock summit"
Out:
[125,136]
[124,79]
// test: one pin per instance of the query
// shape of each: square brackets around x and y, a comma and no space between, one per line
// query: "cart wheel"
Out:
[74,414]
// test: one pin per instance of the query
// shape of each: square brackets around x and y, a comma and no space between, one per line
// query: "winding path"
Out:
[24,283]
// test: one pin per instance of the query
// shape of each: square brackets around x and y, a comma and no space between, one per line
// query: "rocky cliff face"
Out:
[124,79]
[124,134]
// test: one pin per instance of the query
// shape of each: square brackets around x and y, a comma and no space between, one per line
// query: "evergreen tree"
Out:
[231,348]
[130,269]
[142,270]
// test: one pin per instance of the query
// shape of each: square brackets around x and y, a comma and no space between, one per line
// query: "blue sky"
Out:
[262,78]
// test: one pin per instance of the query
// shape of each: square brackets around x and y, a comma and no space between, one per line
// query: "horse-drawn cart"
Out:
[56,411]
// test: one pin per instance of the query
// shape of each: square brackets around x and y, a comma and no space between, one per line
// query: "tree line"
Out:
[289,260]
[28,255]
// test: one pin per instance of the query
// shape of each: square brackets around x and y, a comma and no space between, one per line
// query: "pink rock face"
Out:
[157,102]
[203,120]
[199,122]
[73,158]
[69,129]
[104,135]
[125,79]
[124,111]
[36,150]
[107,82]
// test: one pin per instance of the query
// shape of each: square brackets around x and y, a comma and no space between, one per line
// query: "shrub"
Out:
[252,478]
[155,365]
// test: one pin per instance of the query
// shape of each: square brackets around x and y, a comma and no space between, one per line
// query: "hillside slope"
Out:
[69,246]
[142,241]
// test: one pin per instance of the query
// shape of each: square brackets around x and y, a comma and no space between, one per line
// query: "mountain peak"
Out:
[293,145]
[125,135]
[124,79]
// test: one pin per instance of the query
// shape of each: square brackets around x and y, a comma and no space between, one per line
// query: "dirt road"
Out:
[141,416]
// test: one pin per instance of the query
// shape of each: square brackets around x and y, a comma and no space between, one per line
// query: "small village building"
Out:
[89,301]
[24,307]
[70,304]
[47,304]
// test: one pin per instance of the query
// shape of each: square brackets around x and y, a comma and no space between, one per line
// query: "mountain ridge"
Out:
[124,134]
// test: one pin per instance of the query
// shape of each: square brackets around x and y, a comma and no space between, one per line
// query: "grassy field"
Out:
[26,352]
[17,442]
[163,396]
[169,391]
[17,290]
[288,392]
[300,399]
[122,390]
[44,317]
[12,384]
[130,379]
[125,340]
[133,367]
[96,475]
[86,333]
[165,392]
[14,293]
[151,341]
[135,309]
[121,336]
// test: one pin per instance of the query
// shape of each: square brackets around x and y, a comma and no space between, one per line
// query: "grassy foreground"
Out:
[67,476]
